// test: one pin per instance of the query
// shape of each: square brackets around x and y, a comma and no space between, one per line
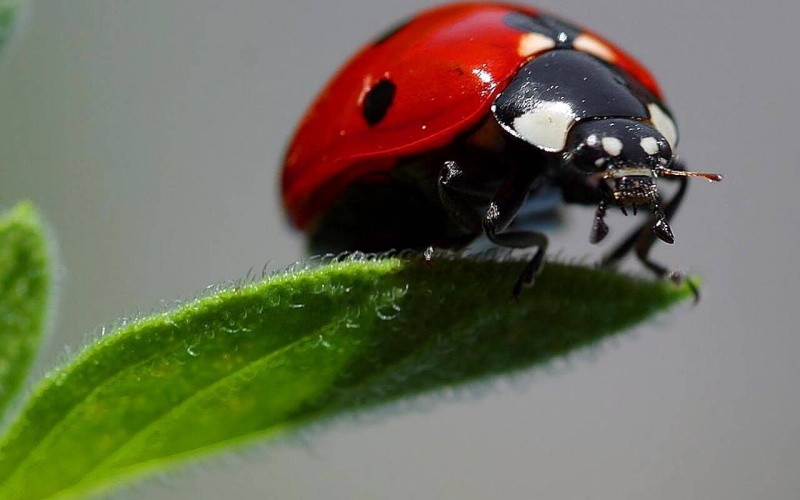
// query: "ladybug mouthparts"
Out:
[636,186]
[632,186]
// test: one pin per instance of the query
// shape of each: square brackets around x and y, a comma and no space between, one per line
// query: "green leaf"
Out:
[261,359]
[9,15]
[24,296]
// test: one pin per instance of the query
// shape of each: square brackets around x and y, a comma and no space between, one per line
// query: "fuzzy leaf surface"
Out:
[261,359]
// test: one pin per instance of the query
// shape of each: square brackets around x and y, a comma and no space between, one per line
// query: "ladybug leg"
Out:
[501,212]
[576,189]
[643,238]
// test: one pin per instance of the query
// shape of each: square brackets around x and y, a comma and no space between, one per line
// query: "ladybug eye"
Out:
[590,157]
[593,153]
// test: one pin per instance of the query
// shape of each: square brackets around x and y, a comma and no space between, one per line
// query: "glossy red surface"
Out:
[447,63]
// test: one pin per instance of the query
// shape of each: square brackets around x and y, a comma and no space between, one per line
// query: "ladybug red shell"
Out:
[442,128]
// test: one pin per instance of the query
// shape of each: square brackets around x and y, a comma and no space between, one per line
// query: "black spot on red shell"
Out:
[378,100]
[392,31]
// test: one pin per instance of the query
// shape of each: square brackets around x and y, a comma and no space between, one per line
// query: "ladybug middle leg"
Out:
[503,206]
[453,189]
[501,212]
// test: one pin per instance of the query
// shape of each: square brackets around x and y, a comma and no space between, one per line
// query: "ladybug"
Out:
[449,125]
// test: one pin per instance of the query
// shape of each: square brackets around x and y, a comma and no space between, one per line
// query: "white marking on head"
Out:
[593,45]
[534,43]
[649,145]
[612,146]
[663,123]
[546,125]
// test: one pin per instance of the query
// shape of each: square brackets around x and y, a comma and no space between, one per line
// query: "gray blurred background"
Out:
[150,134]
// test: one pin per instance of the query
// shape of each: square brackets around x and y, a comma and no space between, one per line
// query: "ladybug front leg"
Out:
[575,189]
[643,238]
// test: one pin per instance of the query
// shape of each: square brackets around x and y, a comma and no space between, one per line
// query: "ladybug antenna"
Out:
[666,172]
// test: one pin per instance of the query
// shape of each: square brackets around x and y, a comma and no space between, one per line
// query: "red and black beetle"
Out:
[442,129]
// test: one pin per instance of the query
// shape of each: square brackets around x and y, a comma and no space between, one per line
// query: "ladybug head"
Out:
[625,157]
[625,154]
